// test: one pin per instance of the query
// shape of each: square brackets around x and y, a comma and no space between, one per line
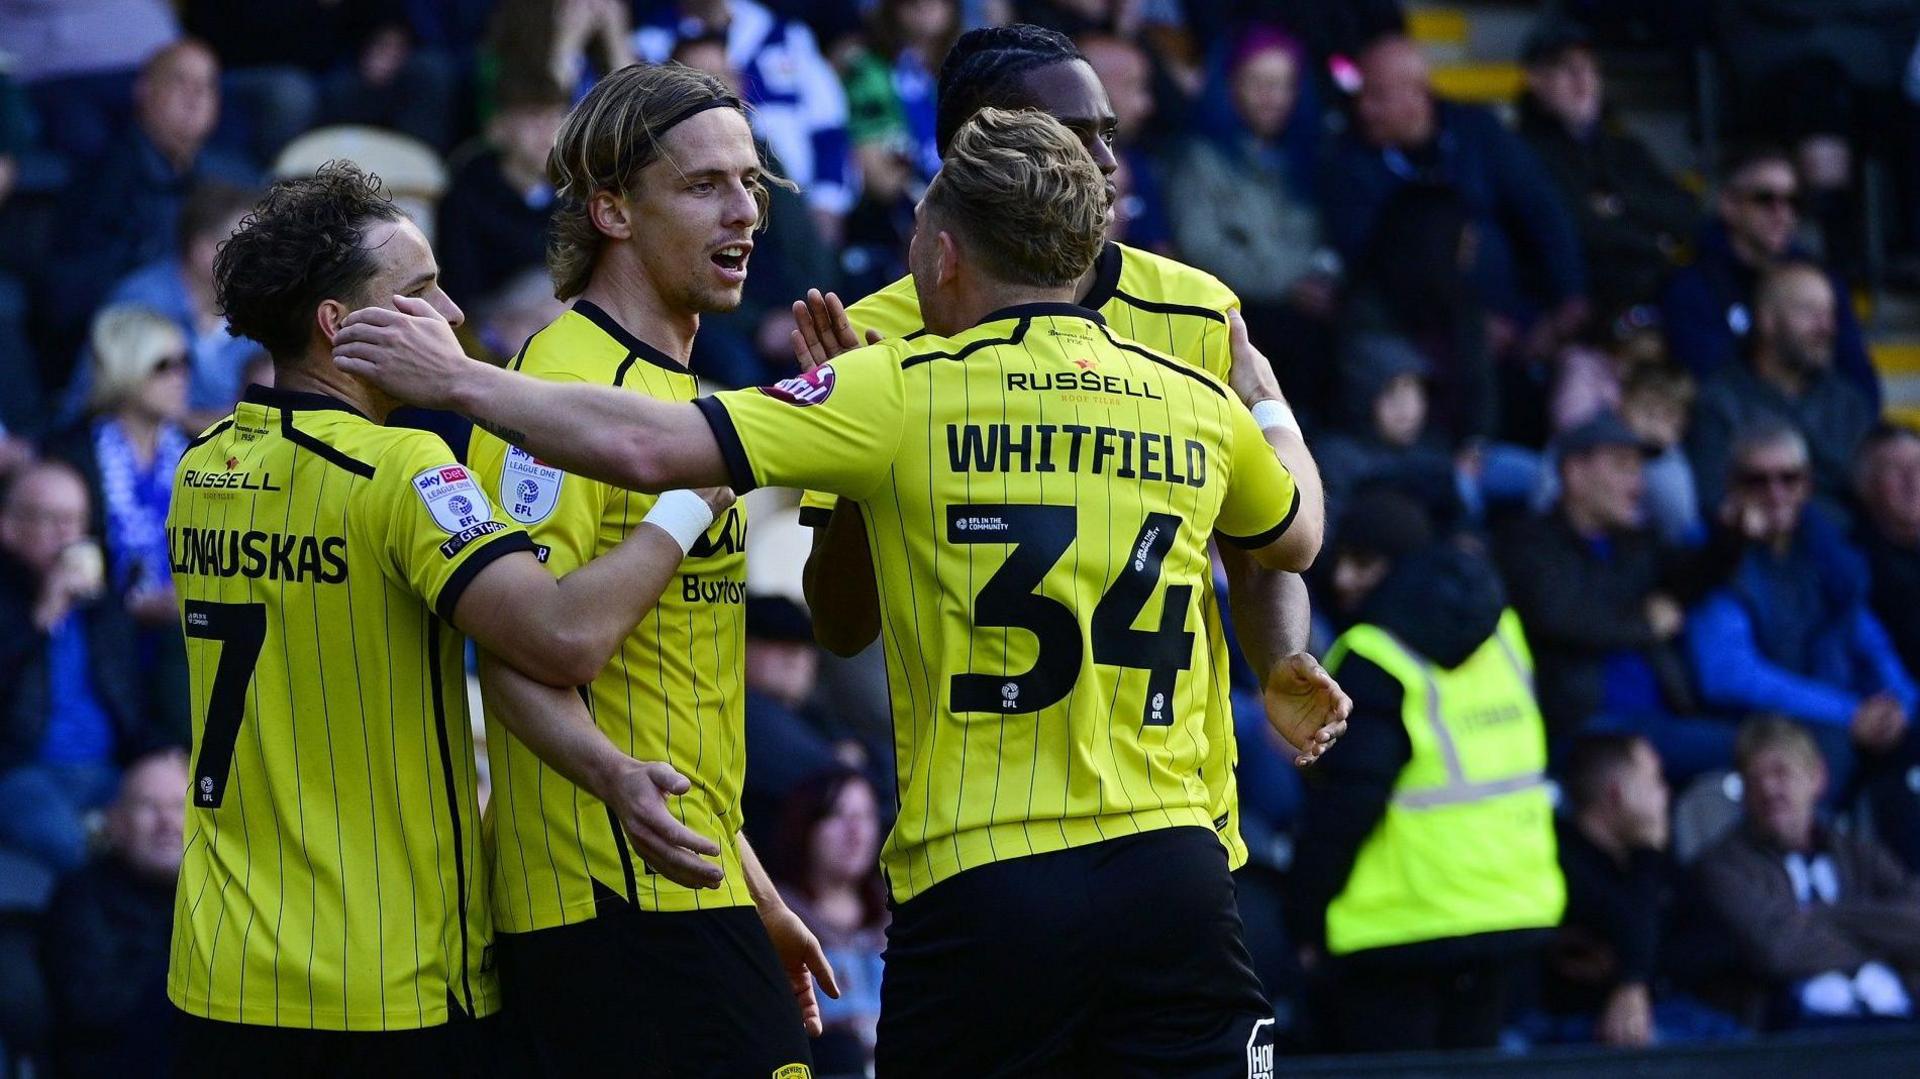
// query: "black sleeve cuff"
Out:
[456,585]
[731,449]
[1254,543]
[815,516]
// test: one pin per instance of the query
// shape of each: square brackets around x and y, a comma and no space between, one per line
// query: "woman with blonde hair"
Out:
[128,447]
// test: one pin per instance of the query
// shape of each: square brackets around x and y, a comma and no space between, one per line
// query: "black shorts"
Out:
[457,1050]
[632,993]
[1122,958]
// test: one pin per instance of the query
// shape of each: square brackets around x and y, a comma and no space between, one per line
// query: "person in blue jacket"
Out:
[1791,633]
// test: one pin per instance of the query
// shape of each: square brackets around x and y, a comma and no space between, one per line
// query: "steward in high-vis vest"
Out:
[1427,868]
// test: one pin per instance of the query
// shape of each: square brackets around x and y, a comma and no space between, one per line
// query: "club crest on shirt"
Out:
[793,1071]
[452,497]
[811,388]
[529,487]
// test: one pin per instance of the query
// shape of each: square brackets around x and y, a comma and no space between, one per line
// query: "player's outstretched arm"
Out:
[799,950]
[626,439]
[563,632]
[839,584]
[554,723]
[1254,381]
[1271,618]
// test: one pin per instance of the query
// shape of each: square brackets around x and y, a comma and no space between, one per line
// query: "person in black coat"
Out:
[493,220]
[1603,602]
[73,704]
[1632,216]
[109,932]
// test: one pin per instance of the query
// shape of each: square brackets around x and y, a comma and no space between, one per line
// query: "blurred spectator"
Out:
[1394,447]
[1655,402]
[1244,216]
[1412,281]
[493,218]
[798,105]
[355,59]
[108,934]
[1140,206]
[72,702]
[503,321]
[127,213]
[1826,75]
[1888,484]
[1376,529]
[1632,216]
[568,42]
[890,88]
[1604,600]
[1708,307]
[78,59]
[890,108]
[1828,923]
[1626,938]
[1425,869]
[128,448]
[1787,374]
[180,286]
[1792,632]
[1402,135]
[786,743]
[828,847]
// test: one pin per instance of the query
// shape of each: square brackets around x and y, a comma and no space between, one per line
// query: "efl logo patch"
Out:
[812,388]
[452,498]
[529,487]
[793,1071]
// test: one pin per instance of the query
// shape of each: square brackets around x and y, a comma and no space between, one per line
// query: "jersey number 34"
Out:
[1040,535]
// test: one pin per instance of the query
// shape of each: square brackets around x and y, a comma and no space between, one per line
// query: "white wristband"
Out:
[683,515]
[1270,414]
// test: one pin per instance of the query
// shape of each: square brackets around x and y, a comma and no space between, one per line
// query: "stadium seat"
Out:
[410,169]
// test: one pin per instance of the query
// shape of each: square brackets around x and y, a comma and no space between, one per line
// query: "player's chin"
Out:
[720,299]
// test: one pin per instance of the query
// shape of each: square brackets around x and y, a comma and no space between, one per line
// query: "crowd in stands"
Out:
[1602,440]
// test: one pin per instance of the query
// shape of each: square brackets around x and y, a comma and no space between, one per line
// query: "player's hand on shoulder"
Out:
[1251,377]
[822,330]
[408,350]
[1306,706]
[638,796]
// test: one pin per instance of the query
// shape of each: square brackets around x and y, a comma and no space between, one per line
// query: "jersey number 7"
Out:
[1040,535]
[242,627]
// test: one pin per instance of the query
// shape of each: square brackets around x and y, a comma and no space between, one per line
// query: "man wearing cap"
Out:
[1603,600]
[1631,215]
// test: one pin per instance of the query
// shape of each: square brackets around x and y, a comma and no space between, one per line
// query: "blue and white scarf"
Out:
[136,503]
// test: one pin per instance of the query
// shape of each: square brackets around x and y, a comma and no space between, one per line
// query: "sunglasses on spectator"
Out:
[165,364]
[1771,198]
[1759,479]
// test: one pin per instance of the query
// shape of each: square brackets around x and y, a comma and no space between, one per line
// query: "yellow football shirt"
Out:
[1171,308]
[334,875]
[674,691]
[1038,495]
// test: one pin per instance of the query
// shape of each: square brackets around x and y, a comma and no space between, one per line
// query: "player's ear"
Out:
[949,265]
[329,315]
[611,215]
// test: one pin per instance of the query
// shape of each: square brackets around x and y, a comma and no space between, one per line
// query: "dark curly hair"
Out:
[981,68]
[300,246]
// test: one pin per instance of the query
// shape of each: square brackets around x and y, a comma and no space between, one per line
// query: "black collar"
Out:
[296,400]
[595,314]
[1045,309]
[1106,277]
